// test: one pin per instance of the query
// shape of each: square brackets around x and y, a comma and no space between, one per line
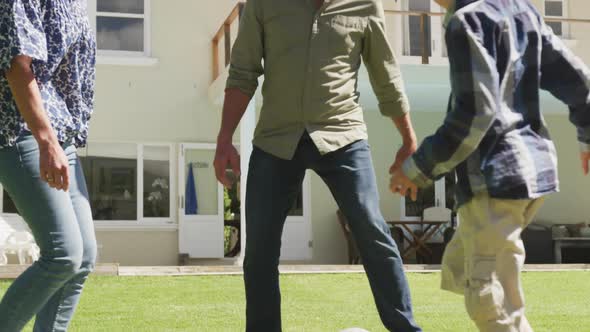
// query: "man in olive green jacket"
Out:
[310,52]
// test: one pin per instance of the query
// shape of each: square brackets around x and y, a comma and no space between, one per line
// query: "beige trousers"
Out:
[484,259]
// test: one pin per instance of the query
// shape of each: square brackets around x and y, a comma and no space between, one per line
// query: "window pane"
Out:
[417,40]
[120,34]
[415,32]
[231,198]
[156,182]
[201,192]
[120,6]
[425,200]
[297,208]
[553,8]
[557,28]
[7,204]
[419,5]
[111,177]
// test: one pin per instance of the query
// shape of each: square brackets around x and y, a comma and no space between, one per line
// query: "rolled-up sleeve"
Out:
[248,51]
[21,32]
[384,71]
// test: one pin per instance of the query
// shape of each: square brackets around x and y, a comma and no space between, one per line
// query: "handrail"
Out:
[547,19]
[225,32]
[413,12]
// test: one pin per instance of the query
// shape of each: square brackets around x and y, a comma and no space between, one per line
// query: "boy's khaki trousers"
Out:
[484,259]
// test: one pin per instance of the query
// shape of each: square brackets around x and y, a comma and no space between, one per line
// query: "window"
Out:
[122,27]
[556,9]
[111,177]
[415,42]
[441,193]
[422,33]
[128,182]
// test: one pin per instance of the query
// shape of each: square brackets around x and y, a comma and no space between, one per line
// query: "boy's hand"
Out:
[401,184]
[585,158]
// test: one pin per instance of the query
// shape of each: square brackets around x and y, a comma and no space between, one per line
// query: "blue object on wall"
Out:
[191,206]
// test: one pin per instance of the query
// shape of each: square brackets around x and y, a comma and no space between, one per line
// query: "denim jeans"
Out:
[61,223]
[274,184]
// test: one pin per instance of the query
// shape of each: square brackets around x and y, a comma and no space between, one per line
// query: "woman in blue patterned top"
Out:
[47,58]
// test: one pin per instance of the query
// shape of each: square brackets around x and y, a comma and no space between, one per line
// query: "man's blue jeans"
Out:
[62,225]
[274,184]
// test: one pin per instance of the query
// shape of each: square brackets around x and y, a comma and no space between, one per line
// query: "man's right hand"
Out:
[226,154]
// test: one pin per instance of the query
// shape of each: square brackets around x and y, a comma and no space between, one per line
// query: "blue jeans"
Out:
[61,223]
[273,186]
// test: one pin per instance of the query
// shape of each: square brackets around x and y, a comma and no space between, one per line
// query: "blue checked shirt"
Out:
[501,54]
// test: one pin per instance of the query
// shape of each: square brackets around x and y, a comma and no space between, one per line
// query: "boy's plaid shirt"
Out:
[501,54]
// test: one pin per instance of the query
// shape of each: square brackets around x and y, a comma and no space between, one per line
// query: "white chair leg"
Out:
[22,258]
[3,258]
[32,255]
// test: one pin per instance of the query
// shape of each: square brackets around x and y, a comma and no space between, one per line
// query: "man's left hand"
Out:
[401,184]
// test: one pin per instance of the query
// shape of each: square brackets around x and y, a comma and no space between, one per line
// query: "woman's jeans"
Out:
[61,223]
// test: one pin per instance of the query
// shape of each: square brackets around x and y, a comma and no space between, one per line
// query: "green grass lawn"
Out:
[557,302]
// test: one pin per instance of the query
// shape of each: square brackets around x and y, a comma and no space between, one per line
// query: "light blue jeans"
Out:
[62,225]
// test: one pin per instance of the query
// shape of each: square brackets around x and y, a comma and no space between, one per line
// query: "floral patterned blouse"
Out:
[56,34]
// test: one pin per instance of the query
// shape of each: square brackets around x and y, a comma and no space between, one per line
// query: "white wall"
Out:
[166,102]
[169,102]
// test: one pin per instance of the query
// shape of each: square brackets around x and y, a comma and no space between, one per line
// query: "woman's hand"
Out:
[54,165]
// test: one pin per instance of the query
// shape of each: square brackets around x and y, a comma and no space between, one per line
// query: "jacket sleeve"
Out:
[474,101]
[248,51]
[384,71]
[568,79]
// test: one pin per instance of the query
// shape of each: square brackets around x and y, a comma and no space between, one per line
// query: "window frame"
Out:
[114,57]
[141,222]
[565,30]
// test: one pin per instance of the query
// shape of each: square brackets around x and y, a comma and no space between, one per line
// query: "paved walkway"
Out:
[12,271]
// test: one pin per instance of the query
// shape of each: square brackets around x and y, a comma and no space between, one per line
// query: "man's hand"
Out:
[401,184]
[404,126]
[585,158]
[226,154]
[403,153]
[54,166]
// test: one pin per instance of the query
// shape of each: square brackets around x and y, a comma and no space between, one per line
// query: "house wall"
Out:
[428,92]
[169,102]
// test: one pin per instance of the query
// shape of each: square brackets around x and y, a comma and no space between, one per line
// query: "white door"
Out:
[297,238]
[201,203]
[414,41]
